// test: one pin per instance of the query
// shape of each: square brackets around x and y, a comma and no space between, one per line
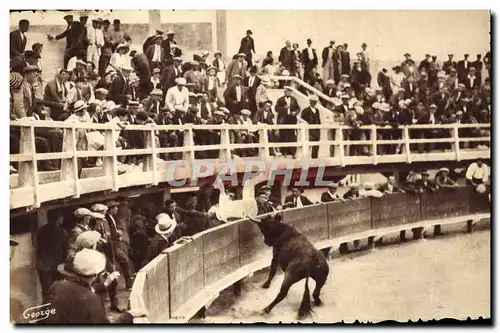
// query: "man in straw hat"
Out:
[166,234]
[74,300]
[331,194]
[369,191]
[83,217]
[353,192]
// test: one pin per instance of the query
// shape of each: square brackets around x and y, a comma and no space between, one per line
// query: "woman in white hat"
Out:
[120,58]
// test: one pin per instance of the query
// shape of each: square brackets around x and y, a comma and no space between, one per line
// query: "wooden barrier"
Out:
[445,203]
[252,247]
[186,272]
[348,217]
[479,203]
[221,252]
[312,221]
[395,209]
[156,302]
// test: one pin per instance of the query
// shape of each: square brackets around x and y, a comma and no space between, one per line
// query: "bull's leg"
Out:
[291,277]
[272,273]
[320,282]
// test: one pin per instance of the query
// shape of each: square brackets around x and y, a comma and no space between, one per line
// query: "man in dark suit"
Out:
[140,64]
[312,117]
[154,53]
[247,46]
[390,186]
[310,61]
[425,184]
[72,35]
[287,109]
[462,67]
[329,89]
[449,64]
[55,94]
[478,65]
[353,192]
[331,194]
[252,82]
[329,61]
[410,87]
[296,199]
[286,57]
[120,90]
[151,40]
[18,39]
[384,82]
[170,47]
[236,96]
[471,80]
[442,100]
[170,74]
[425,64]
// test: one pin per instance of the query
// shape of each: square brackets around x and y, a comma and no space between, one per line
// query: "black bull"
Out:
[298,258]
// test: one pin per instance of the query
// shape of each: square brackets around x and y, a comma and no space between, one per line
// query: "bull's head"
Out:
[271,229]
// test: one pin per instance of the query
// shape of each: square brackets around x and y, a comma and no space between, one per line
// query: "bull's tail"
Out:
[305,306]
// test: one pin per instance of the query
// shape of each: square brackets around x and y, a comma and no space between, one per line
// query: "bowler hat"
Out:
[67,17]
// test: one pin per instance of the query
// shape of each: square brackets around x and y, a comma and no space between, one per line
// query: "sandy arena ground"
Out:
[444,277]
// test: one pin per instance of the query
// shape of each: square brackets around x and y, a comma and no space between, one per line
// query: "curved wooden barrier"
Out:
[185,278]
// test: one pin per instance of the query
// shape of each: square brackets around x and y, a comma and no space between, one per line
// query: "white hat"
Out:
[285,73]
[369,186]
[122,46]
[359,109]
[180,81]
[165,224]
[354,185]
[385,107]
[330,81]
[224,110]
[79,105]
[441,74]
[170,32]
[337,101]
[402,104]
[204,53]
[401,90]
[156,70]
[313,98]
[246,112]
[344,76]
[81,62]
[376,105]
[157,92]
[89,262]
[237,77]
[241,54]
[347,85]
[433,106]
[109,106]
[87,239]
[444,170]
[288,88]
[81,212]
[99,208]
[126,67]
[407,101]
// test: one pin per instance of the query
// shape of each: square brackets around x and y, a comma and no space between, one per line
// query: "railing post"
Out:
[406,138]
[110,163]
[374,144]
[69,167]
[150,164]
[324,149]
[263,144]
[456,142]
[189,143]
[339,146]
[28,170]
[225,150]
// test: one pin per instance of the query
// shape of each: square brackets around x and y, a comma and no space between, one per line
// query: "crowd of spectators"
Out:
[103,81]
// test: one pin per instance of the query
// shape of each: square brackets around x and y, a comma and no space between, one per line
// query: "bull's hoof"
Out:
[266,312]
[318,302]
[266,285]
[305,315]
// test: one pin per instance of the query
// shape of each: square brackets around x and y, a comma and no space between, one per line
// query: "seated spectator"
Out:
[331,194]
[425,184]
[390,186]
[177,98]
[152,103]
[154,82]
[353,192]
[477,173]
[369,191]
[296,199]
[442,179]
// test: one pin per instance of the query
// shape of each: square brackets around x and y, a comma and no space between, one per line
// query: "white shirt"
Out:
[330,52]
[390,187]
[119,60]
[155,82]
[95,36]
[311,53]
[471,80]
[474,171]
[432,119]
[211,82]
[251,80]
[71,64]
[370,193]
[176,99]
[298,202]
[157,54]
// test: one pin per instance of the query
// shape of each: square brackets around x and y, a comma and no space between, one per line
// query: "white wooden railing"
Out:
[31,190]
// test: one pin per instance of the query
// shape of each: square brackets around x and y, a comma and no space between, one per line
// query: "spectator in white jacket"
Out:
[370,191]
[96,42]
[477,173]
[177,98]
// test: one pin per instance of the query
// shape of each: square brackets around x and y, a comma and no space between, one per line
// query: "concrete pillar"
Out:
[154,21]
[221,32]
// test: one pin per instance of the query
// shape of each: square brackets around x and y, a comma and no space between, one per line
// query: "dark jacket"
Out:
[309,62]
[17,44]
[326,197]
[51,247]
[385,187]
[168,77]
[352,194]
[282,111]
[247,45]
[119,90]
[286,58]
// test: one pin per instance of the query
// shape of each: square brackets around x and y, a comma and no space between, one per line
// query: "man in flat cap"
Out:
[247,46]
[151,104]
[311,116]
[83,217]
[151,40]
[237,66]
[449,64]
[310,61]
[170,47]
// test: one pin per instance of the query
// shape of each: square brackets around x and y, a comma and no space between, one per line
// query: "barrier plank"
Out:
[311,221]
[221,252]
[186,272]
[157,293]
[348,217]
[395,209]
[252,247]
[445,203]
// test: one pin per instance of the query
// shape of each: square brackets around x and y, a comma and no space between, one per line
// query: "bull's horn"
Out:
[253,219]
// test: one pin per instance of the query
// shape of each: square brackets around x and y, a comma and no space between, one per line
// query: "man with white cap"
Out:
[83,217]
[74,299]
[442,179]
[154,81]
[390,186]
[151,104]
[177,98]
[353,192]
[331,194]
[311,116]
[369,191]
